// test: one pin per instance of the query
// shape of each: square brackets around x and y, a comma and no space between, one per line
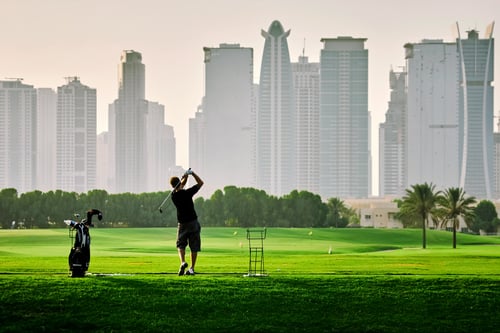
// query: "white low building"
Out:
[376,212]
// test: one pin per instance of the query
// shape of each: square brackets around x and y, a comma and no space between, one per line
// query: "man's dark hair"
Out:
[174,181]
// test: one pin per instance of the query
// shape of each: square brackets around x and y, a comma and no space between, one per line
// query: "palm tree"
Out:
[420,203]
[337,212]
[453,204]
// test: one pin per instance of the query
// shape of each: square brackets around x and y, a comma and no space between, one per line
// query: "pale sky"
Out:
[44,41]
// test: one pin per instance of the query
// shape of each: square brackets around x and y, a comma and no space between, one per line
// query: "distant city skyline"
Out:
[53,39]
[445,102]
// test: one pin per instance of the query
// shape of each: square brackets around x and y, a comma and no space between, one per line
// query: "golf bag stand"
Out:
[256,252]
[79,255]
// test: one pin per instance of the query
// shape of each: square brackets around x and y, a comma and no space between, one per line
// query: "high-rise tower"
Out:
[496,168]
[306,85]
[17,135]
[345,169]
[160,148]
[276,117]
[432,115]
[227,147]
[476,117]
[392,140]
[46,139]
[76,137]
[197,140]
[130,125]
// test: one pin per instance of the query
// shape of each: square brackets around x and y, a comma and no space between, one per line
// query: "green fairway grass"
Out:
[319,280]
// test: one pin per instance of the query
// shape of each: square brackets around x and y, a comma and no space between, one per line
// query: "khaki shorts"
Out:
[189,234]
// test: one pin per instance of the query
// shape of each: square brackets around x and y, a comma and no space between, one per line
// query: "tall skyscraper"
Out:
[306,85]
[103,159]
[160,149]
[197,140]
[46,139]
[496,172]
[130,125]
[226,158]
[18,135]
[392,140]
[476,119]
[111,150]
[276,156]
[76,137]
[432,117]
[345,169]
[253,125]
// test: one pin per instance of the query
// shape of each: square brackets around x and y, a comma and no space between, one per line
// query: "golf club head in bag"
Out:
[91,213]
[79,256]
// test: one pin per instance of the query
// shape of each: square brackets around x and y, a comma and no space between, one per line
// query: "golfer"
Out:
[188,227]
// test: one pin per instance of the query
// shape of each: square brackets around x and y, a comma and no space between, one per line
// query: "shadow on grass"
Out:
[228,303]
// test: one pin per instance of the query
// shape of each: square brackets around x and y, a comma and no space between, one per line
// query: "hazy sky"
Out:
[44,41]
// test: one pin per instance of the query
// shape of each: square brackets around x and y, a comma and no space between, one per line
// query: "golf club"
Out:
[168,196]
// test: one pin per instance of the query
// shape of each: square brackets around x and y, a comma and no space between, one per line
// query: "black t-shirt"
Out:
[183,200]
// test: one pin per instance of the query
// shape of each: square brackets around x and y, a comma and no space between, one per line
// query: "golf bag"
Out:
[79,255]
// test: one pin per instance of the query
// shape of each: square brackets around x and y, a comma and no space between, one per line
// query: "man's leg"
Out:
[182,257]
[181,248]
[194,245]
[194,255]
[182,254]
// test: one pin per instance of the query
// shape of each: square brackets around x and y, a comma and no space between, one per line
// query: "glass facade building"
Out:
[433,114]
[130,137]
[476,117]
[76,137]
[276,117]
[345,158]
[392,140]
[18,125]
[306,85]
[225,153]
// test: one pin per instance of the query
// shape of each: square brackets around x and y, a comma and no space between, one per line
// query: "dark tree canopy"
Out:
[231,207]
[486,217]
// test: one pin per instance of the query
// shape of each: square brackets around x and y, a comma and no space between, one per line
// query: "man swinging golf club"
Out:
[188,227]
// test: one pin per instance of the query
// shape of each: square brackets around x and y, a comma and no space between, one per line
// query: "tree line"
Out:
[233,206]
[422,206]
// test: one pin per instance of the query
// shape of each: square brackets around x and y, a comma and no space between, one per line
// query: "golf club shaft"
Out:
[168,196]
